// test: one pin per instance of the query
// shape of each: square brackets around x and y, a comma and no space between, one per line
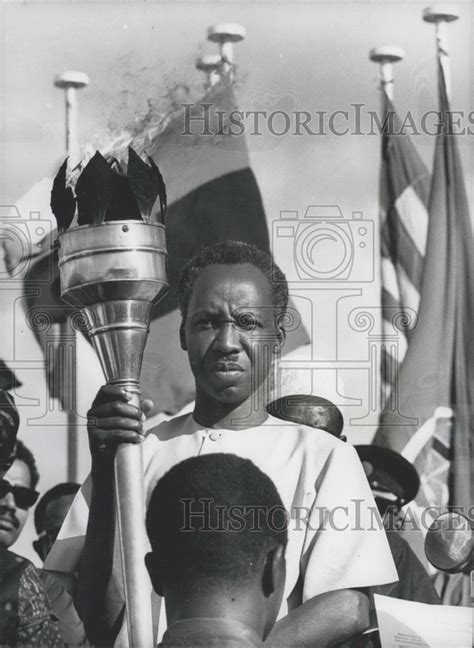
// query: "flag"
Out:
[213,196]
[404,194]
[437,370]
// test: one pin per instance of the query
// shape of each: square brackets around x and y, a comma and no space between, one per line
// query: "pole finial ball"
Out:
[386,54]
[439,13]
[230,32]
[71,80]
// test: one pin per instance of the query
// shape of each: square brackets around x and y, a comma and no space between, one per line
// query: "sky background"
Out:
[296,56]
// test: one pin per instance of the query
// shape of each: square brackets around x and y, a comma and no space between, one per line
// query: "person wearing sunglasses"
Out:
[17,495]
[26,618]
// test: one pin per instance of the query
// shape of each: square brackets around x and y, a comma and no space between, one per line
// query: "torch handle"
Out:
[130,499]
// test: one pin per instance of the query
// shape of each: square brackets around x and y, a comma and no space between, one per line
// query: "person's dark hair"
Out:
[60,490]
[25,455]
[238,517]
[9,423]
[233,253]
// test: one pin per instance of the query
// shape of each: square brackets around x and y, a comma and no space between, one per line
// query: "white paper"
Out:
[406,624]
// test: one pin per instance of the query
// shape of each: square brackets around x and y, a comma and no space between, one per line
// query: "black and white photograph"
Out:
[236,315]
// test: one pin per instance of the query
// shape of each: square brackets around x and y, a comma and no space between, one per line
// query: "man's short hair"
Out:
[25,455]
[60,490]
[233,253]
[9,423]
[212,519]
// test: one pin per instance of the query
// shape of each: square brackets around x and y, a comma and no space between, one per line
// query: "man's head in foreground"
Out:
[233,299]
[50,513]
[17,495]
[307,409]
[218,532]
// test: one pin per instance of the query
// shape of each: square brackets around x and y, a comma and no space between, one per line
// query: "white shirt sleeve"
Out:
[66,551]
[345,544]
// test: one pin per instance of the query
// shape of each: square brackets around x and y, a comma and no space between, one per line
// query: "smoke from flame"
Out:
[140,111]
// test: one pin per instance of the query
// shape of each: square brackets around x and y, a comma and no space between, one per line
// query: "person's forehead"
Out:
[19,474]
[236,283]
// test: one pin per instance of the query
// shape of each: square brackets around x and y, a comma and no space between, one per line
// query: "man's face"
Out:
[230,332]
[54,516]
[12,517]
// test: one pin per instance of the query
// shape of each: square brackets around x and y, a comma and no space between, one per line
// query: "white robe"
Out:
[319,478]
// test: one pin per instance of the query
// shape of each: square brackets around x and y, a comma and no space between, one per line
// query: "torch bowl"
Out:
[114,272]
[114,260]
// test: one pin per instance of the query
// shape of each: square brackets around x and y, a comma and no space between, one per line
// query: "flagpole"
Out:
[66,335]
[386,56]
[440,18]
[70,82]
[225,35]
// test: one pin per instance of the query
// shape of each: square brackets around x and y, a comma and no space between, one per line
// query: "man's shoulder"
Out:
[171,428]
[285,437]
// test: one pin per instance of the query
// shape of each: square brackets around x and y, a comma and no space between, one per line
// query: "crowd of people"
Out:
[300,573]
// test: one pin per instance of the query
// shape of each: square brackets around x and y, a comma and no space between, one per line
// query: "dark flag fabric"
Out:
[8,380]
[404,195]
[213,196]
[437,370]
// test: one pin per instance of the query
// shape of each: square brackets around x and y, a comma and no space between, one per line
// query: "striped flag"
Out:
[404,193]
[437,370]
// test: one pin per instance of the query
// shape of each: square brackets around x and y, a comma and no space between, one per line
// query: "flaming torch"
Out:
[112,266]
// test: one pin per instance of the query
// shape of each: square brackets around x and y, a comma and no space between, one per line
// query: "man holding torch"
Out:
[233,300]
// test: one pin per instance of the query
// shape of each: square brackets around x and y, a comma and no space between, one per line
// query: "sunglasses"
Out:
[24,497]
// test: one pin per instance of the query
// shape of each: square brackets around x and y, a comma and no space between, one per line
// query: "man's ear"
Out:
[274,570]
[182,336]
[280,329]
[281,335]
[154,572]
